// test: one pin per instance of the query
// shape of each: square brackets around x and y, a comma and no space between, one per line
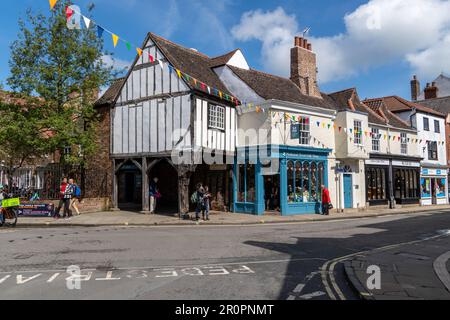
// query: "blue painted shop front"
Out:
[299,172]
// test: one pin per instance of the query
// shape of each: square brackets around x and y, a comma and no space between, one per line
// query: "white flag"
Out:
[209,90]
[87,21]
[161,64]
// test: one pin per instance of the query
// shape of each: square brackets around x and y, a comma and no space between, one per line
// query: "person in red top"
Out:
[326,201]
[62,191]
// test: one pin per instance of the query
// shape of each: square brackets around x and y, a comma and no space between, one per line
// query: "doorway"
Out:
[272,193]
[130,187]
[348,191]
[167,186]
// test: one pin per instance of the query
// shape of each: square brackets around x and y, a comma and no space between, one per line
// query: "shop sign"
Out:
[434,172]
[295,131]
[406,164]
[36,210]
[377,162]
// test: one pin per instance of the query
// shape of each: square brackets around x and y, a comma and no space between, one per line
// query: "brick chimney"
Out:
[415,88]
[304,68]
[431,91]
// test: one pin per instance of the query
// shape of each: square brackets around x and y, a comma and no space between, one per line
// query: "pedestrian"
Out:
[200,203]
[326,201]
[62,190]
[154,194]
[75,196]
[68,195]
[207,203]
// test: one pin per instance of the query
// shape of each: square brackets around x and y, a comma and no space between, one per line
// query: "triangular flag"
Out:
[87,22]
[100,31]
[161,64]
[209,90]
[69,13]
[52,3]
[179,73]
[151,58]
[139,51]
[318,123]
[220,94]
[115,39]
[128,46]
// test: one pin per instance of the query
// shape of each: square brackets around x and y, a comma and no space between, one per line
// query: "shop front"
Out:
[285,178]
[433,186]
[392,180]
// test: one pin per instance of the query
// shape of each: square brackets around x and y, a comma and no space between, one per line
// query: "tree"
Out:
[64,68]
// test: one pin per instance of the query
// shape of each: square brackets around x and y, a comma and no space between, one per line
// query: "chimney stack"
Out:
[431,91]
[415,88]
[304,68]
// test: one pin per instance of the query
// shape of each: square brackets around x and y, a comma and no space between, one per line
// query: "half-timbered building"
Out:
[164,125]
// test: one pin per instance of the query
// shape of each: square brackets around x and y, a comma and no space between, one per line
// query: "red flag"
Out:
[69,12]
[151,58]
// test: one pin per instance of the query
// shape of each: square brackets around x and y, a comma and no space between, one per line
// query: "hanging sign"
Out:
[295,131]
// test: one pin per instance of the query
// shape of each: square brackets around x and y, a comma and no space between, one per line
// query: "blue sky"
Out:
[374,45]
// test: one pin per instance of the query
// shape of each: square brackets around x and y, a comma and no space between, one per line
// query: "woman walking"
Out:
[76,196]
[326,201]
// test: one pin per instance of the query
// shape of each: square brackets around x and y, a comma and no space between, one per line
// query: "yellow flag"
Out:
[52,3]
[139,51]
[179,73]
[115,39]
[220,94]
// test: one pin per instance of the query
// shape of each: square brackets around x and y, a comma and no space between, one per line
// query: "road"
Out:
[276,261]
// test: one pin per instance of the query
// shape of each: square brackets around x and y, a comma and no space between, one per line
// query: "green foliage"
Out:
[64,68]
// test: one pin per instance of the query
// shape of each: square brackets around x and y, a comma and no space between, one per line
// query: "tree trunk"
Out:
[184,178]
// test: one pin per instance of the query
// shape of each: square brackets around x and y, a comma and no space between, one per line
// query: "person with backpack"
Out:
[68,195]
[76,197]
[197,198]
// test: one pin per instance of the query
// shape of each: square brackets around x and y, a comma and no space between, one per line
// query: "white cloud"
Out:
[377,33]
[117,64]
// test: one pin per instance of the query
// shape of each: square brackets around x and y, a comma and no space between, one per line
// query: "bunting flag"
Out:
[87,22]
[151,58]
[139,51]
[100,31]
[115,39]
[178,73]
[69,13]
[52,3]
[128,46]
[161,64]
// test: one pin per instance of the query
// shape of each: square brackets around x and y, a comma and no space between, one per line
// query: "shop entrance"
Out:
[272,193]
[348,191]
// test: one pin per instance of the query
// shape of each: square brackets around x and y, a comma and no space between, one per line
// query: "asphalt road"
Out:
[277,261]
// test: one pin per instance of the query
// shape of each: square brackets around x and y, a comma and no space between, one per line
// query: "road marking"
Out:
[328,267]
[180,266]
[440,267]
[22,280]
[312,295]
[4,278]
[290,298]
[53,277]
[299,288]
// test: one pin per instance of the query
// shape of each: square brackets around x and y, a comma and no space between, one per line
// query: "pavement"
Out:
[271,261]
[413,271]
[125,218]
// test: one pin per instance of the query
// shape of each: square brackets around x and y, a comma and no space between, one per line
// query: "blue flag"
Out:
[100,31]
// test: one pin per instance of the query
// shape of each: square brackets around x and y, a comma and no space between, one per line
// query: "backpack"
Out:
[194,197]
[77,191]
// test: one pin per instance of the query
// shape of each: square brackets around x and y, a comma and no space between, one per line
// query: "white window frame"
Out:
[304,131]
[375,140]
[403,143]
[357,132]
[216,117]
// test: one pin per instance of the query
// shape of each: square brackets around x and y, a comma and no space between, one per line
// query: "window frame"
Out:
[357,132]
[214,113]
[437,126]
[433,153]
[427,126]
[376,139]
[304,131]
[403,143]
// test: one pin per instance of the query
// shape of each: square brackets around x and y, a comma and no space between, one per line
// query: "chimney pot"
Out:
[415,88]
[299,41]
[305,43]
[309,47]
[433,84]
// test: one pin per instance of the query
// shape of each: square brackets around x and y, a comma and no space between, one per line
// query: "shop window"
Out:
[432,150]
[314,182]
[216,117]
[376,184]
[437,127]
[357,132]
[290,181]
[425,187]
[403,143]
[250,183]
[246,183]
[298,181]
[241,183]
[304,131]
[426,124]
[375,140]
[306,182]
[440,187]
[321,180]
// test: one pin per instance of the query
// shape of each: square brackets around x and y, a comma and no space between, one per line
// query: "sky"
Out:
[373,45]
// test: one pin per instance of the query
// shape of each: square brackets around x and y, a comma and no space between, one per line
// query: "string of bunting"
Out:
[89,23]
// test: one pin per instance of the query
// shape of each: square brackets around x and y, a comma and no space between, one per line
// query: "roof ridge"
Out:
[344,90]
[201,54]
[225,54]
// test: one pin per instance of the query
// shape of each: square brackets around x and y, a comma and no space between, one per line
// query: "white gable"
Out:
[238,60]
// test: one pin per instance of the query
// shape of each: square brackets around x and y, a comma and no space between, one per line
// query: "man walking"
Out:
[326,201]
[62,190]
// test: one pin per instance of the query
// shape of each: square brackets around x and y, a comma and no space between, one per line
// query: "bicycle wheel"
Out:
[10,217]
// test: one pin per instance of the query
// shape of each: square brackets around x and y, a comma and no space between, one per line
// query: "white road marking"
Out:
[4,278]
[312,295]
[299,288]
[22,280]
[290,298]
[53,277]
[440,267]
[108,277]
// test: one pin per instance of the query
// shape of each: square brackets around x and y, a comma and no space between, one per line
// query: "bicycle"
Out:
[9,212]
